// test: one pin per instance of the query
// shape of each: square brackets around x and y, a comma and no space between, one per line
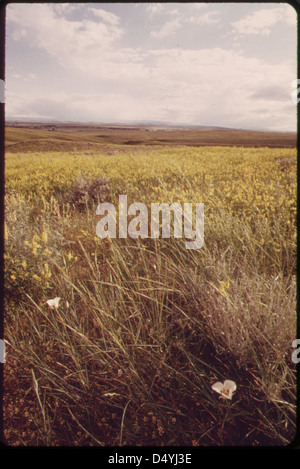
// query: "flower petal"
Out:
[54,303]
[218,387]
[229,385]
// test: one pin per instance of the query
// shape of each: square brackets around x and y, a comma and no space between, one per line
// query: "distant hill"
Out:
[66,136]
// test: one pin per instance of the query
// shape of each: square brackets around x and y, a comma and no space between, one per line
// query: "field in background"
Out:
[145,327]
[65,137]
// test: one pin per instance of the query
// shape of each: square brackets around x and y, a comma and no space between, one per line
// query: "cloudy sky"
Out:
[224,64]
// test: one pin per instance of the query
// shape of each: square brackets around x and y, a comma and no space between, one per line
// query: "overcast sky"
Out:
[224,64]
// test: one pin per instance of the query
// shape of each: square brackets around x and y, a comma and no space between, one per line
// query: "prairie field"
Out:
[144,327]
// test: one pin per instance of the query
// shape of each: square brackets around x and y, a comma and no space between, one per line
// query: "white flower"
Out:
[53,303]
[226,389]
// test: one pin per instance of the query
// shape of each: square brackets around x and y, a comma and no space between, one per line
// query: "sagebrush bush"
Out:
[86,191]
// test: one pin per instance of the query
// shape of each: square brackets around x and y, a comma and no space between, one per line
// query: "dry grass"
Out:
[143,330]
[70,137]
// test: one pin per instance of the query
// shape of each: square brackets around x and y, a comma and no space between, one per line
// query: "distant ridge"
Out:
[32,120]
[49,135]
[159,125]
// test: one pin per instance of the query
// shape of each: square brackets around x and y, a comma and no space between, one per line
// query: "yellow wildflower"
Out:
[44,237]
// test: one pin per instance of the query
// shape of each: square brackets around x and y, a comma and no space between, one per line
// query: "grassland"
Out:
[59,137]
[144,326]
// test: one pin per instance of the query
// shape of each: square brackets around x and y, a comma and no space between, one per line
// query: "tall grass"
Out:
[145,327]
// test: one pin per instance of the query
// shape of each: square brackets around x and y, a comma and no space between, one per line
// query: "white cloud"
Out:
[40,26]
[65,8]
[24,76]
[106,16]
[154,8]
[216,85]
[199,6]
[188,13]
[210,17]
[211,86]
[168,29]
[262,21]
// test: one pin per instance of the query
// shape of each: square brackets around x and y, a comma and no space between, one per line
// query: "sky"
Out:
[214,64]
